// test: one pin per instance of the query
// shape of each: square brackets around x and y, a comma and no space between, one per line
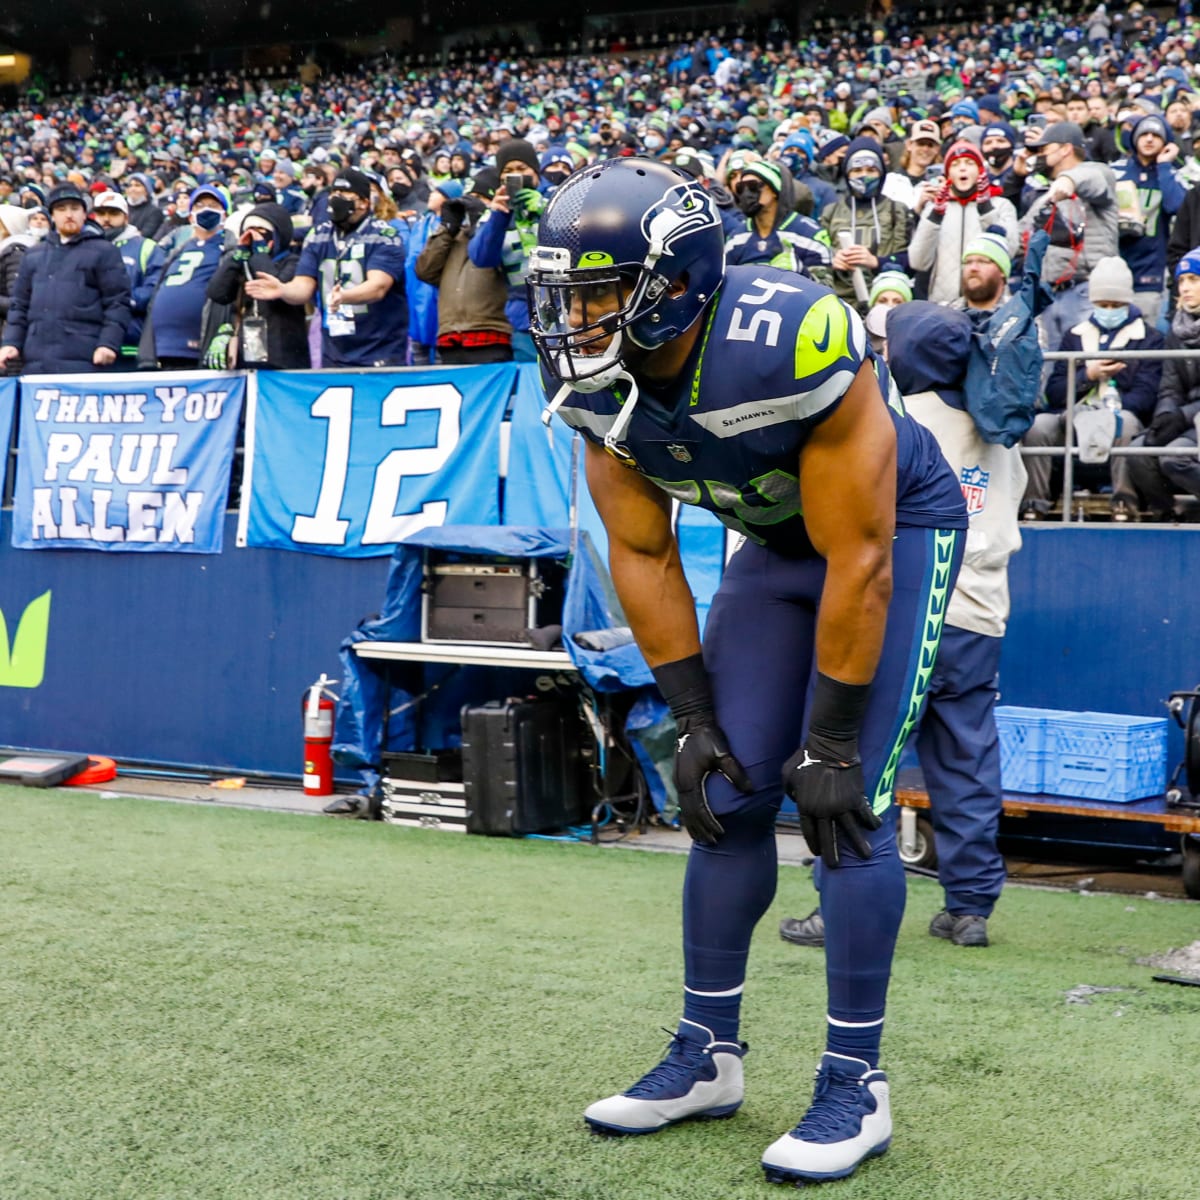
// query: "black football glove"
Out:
[825,779]
[700,749]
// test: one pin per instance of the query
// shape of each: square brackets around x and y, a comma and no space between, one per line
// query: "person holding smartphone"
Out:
[270,333]
[508,232]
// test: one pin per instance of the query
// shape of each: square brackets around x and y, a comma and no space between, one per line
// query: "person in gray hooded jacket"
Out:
[1079,211]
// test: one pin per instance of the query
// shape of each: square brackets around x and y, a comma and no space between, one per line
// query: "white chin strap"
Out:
[604,370]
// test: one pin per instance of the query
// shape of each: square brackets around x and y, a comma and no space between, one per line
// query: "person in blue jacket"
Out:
[1160,195]
[508,232]
[798,154]
[70,307]
[143,259]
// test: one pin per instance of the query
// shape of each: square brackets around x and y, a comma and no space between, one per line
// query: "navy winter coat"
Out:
[69,300]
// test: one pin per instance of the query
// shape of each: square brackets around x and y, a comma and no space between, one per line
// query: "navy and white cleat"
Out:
[700,1078]
[848,1122]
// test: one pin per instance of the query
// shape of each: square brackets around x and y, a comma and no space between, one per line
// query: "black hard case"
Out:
[523,767]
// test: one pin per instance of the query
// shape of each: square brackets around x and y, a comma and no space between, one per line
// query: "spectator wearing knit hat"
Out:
[771,233]
[875,228]
[961,208]
[1149,171]
[986,266]
[1114,324]
[144,215]
[508,231]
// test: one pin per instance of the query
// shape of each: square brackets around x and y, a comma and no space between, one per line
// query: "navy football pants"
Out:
[959,750]
[759,652]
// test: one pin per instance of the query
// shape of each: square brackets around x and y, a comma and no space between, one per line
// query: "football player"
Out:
[752,392]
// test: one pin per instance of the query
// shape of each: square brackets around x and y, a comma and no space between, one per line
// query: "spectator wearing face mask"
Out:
[315,186]
[798,154]
[556,166]
[144,215]
[998,146]
[409,193]
[70,305]
[772,233]
[245,332]
[874,228]
[358,262]
[143,261]
[960,207]
[171,339]
[1114,324]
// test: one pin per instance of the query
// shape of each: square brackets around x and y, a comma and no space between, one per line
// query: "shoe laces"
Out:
[836,1110]
[677,1070]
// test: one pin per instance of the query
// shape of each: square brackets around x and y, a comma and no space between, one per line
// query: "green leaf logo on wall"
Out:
[23,661]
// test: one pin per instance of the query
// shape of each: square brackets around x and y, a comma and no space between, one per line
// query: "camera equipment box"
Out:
[491,600]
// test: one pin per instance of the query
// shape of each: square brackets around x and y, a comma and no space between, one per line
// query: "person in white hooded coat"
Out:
[15,240]
[954,212]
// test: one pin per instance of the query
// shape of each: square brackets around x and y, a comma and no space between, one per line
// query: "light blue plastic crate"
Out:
[1022,746]
[1106,756]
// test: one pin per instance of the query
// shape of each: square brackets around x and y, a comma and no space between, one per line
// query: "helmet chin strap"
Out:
[612,439]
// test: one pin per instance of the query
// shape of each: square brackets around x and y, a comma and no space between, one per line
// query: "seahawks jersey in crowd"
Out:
[776,354]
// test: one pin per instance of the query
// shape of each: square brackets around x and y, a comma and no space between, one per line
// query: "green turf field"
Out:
[211,1003]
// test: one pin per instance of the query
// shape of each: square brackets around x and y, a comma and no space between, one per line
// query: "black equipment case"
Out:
[524,770]
[491,600]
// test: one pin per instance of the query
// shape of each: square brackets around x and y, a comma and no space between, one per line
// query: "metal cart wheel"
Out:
[914,839]
[1191,866]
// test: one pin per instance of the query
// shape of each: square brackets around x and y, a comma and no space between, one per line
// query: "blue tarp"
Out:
[368,693]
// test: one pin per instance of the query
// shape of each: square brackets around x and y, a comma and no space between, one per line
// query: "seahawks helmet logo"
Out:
[683,210]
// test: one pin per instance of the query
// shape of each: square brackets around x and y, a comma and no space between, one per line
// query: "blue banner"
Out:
[8,400]
[125,461]
[351,463]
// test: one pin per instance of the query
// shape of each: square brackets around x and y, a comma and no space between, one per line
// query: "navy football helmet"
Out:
[616,236]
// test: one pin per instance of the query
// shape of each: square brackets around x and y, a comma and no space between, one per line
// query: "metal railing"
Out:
[1069,451]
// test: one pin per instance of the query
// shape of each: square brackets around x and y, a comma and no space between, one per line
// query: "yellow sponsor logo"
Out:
[23,662]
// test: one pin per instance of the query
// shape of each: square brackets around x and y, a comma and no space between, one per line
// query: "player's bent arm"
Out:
[848,493]
[644,559]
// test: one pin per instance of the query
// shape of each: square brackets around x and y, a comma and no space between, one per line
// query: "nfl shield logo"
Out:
[974,483]
[679,453]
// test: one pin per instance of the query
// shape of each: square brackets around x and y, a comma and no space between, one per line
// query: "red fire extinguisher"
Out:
[316,706]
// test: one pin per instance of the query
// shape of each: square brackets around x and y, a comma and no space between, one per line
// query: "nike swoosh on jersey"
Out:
[822,344]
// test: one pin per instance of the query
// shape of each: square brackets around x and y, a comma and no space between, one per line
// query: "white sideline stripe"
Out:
[737,991]
[853,1024]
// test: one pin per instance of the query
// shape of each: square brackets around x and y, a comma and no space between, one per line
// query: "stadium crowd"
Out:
[385,216]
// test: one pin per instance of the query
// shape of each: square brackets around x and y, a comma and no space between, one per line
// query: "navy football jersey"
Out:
[775,357]
[380,333]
